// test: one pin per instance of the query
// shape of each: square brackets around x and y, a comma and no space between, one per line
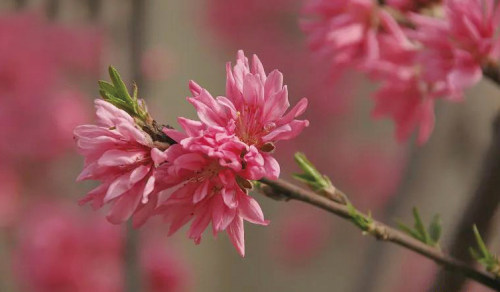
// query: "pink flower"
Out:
[408,106]
[442,60]
[474,27]
[348,32]
[298,240]
[253,109]
[211,191]
[471,30]
[60,249]
[123,157]
[163,270]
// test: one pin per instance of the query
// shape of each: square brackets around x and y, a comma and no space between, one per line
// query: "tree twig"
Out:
[283,189]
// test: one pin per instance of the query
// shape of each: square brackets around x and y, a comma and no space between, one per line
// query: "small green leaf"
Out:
[119,85]
[314,179]
[475,254]
[480,243]
[419,226]
[107,87]
[307,166]
[408,230]
[429,236]
[435,228]
[359,219]
[303,177]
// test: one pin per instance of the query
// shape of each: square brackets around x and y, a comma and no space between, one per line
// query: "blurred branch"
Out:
[132,271]
[137,31]
[286,190]
[492,71]
[52,9]
[20,4]
[479,210]
[94,8]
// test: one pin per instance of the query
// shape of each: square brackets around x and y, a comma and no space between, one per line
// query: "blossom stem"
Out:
[381,231]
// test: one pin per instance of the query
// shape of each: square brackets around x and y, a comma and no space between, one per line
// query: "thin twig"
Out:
[379,230]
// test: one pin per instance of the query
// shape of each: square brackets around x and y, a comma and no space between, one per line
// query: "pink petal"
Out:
[237,235]
[250,210]
[123,208]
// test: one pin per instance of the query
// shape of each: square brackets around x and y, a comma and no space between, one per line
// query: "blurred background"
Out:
[52,53]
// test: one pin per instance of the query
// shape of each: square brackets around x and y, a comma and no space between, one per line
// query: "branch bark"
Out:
[281,189]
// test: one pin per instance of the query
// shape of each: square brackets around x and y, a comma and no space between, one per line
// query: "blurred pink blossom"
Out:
[163,269]
[348,32]
[36,57]
[62,250]
[301,234]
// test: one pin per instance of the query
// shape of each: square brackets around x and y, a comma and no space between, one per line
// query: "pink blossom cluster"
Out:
[205,176]
[419,51]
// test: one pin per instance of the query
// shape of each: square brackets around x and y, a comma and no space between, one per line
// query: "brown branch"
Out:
[492,71]
[281,189]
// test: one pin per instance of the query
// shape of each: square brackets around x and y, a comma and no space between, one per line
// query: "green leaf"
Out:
[359,219]
[429,236]
[107,87]
[435,228]
[480,243]
[307,166]
[311,176]
[408,230]
[475,254]
[419,226]
[303,177]
[119,85]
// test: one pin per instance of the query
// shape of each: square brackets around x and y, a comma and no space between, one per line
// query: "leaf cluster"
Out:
[483,255]
[311,176]
[429,235]
[117,94]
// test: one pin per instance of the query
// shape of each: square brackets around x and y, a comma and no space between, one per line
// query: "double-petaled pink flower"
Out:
[123,157]
[253,109]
